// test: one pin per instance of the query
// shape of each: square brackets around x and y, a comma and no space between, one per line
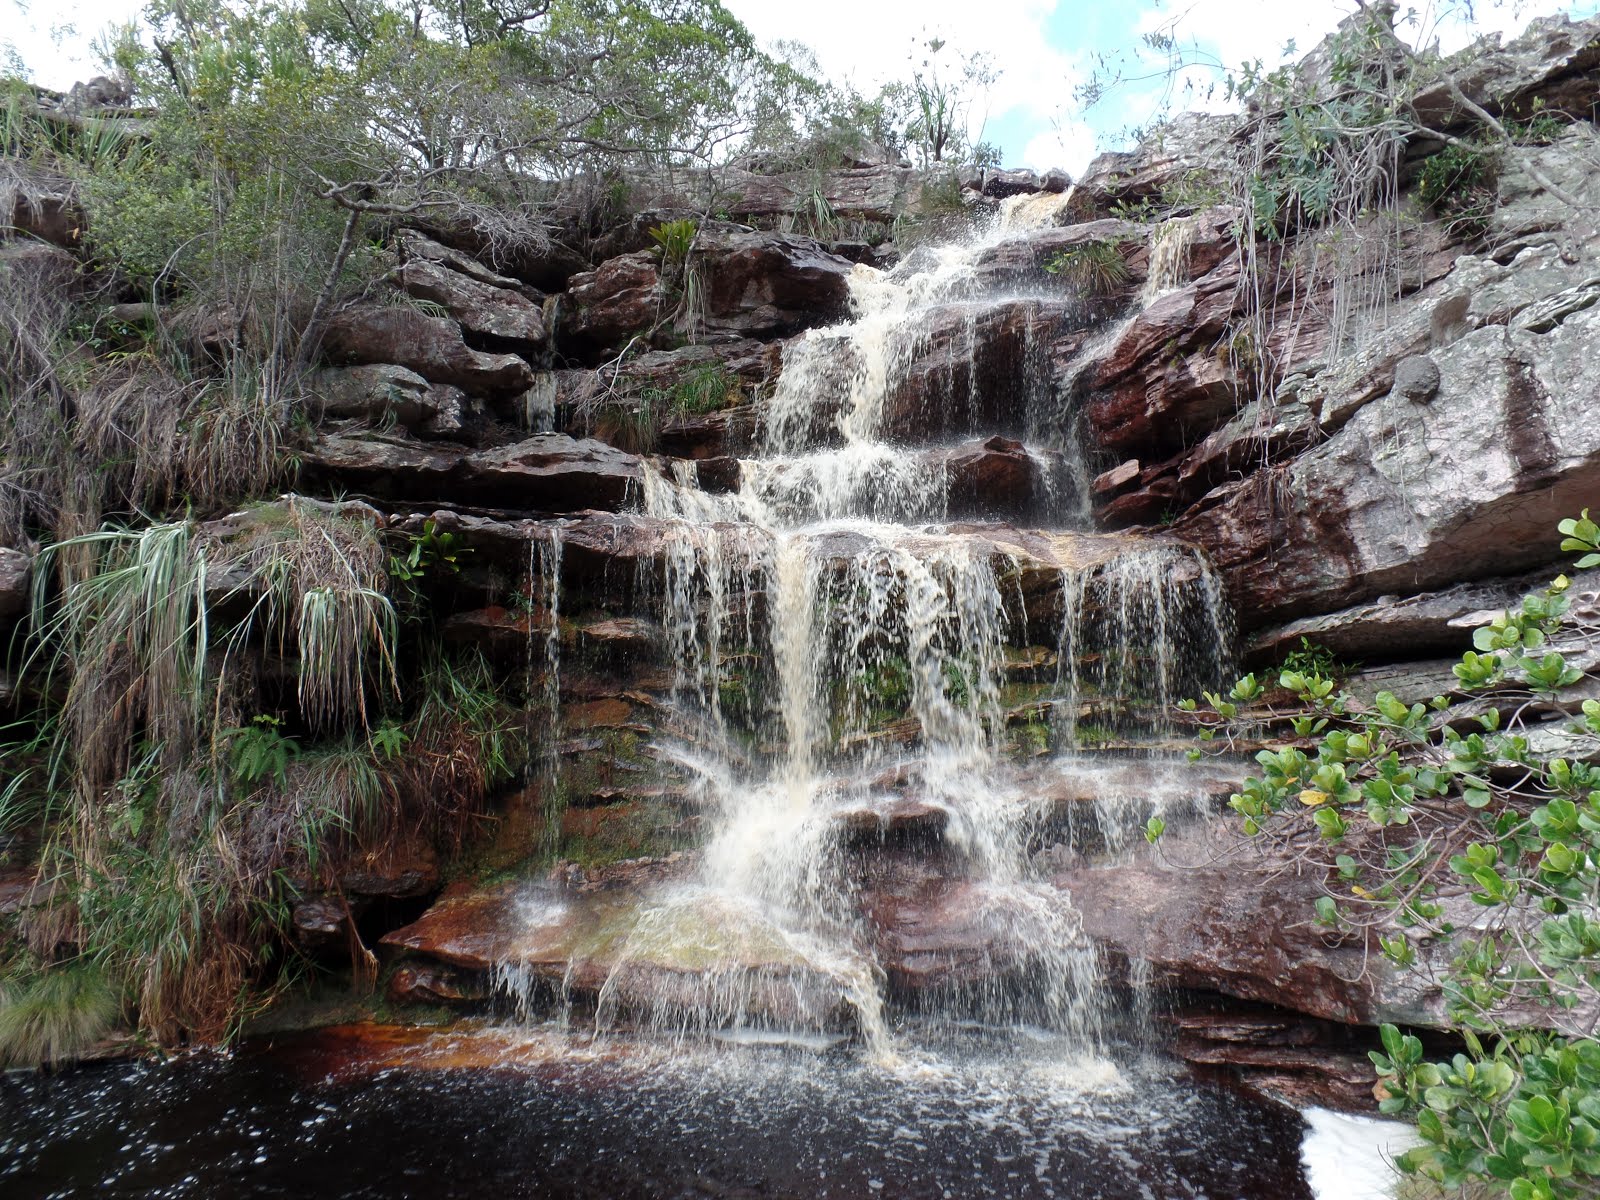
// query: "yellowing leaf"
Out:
[1311,797]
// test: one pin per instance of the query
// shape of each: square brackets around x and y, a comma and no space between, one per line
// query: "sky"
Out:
[1044,50]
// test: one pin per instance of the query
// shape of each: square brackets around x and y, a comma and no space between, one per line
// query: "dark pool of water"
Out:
[310,1118]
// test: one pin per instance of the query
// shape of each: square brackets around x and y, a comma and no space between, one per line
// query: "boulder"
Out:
[524,247]
[35,268]
[41,205]
[1117,478]
[548,472]
[1000,184]
[324,926]
[379,394]
[878,192]
[1416,378]
[553,472]
[996,479]
[977,367]
[1399,628]
[1408,497]
[401,868]
[605,308]
[1240,927]
[383,464]
[430,346]
[939,933]
[1020,262]
[1257,433]
[1550,65]
[679,380]
[415,246]
[704,953]
[1162,380]
[1056,181]
[1289,1057]
[1191,149]
[638,233]
[496,315]
[752,286]
[435,983]
[770,285]
[455,414]
[723,436]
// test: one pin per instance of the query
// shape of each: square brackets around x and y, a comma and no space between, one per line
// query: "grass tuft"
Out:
[54,1015]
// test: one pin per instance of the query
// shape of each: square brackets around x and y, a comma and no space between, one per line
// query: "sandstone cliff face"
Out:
[1437,444]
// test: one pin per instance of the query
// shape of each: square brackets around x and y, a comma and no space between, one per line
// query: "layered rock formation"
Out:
[1053,421]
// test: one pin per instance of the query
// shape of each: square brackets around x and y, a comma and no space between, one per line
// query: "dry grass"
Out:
[85,437]
[323,576]
[166,866]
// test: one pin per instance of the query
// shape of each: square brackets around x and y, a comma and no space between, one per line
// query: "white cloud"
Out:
[56,47]
[1240,31]
[870,43]
[1070,146]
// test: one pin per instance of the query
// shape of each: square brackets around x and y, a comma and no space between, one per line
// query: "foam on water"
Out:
[1352,1158]
[547,1111]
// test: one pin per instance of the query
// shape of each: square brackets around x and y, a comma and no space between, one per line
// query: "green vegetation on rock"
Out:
[1462,836]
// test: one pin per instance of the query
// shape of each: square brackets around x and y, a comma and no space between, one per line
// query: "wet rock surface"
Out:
[770,285]
[1222,929]
[1375,489]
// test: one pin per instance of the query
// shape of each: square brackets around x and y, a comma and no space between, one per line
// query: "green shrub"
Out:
[707,389]
[1094,268]
[1458,185]
[1313,658]
[259,751]
[815,214]
[673,241]
[1419,809]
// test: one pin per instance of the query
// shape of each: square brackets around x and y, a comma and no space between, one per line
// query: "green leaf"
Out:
[1391,1038]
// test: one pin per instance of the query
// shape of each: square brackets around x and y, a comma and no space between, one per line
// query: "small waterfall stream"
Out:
[840,652]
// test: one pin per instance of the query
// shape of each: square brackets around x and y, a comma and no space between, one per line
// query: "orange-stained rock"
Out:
[598,714]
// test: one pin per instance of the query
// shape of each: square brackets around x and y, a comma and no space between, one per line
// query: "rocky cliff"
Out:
[1366,455]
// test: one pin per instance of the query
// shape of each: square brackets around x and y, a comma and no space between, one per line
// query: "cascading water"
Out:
[839,649]
[1170,242]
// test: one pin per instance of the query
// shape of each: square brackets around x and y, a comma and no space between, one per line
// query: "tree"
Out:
[285,130]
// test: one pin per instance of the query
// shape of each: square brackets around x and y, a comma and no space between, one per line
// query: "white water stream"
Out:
[837,647]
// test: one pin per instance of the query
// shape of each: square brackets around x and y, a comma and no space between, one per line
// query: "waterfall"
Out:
[1169,258]
[544,585]
[877,659]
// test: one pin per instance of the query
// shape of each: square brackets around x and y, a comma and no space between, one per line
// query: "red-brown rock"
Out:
[548,472]
[606,307]
[770,285]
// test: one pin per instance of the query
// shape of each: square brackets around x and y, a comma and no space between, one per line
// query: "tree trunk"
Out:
[311,337]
